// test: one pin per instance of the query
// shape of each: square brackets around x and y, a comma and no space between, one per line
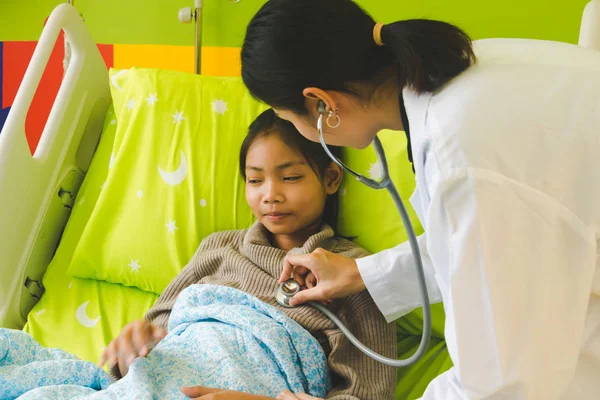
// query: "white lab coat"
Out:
[507,160]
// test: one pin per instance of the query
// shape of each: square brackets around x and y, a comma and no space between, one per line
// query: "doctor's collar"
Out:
[406,126]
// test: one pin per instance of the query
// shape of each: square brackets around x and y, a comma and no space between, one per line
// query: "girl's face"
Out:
[285,194]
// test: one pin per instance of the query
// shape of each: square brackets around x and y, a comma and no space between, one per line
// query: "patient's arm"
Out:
[190,275]
[160,312]
[137,338]
[355,375]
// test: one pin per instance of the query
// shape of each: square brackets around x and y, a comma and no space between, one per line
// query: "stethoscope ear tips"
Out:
[322,107]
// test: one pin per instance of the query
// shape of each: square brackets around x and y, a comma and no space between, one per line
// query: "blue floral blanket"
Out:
[218,337]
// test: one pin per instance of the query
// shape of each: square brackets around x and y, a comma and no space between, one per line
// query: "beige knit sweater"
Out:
[246,260]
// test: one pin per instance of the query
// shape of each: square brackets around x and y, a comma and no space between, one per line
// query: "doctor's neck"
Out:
[375,106]
[384,105]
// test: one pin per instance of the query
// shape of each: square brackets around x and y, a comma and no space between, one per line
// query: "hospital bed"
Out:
[53,204]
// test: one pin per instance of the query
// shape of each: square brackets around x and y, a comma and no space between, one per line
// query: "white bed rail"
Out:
[589,35]
[37,193]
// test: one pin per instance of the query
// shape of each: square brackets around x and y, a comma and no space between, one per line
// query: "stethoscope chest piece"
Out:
[286,291]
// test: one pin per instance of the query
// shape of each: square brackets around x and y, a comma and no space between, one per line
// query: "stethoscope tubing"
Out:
[385,183]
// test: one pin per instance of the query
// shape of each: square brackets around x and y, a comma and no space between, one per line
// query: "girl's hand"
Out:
[203,393]
[287,395]
[135,340]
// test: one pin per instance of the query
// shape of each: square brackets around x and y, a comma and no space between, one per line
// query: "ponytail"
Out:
[294,44]
[428,53]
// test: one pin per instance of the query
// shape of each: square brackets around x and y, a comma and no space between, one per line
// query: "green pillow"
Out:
[172,178]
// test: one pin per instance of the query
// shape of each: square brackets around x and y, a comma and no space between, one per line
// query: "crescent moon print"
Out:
[82,317]
[113,79]
[177,176]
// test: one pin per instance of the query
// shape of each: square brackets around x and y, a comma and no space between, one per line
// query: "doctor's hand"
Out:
[336,276]
[135,340]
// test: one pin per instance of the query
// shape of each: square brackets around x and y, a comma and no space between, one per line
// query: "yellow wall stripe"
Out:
[221,61]
[216,61]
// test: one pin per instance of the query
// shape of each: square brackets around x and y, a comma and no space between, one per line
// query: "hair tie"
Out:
[377,34]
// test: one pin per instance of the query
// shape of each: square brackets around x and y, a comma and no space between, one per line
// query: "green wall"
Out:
[155,21]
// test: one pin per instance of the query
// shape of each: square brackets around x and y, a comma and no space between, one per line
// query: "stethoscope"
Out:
[289,288]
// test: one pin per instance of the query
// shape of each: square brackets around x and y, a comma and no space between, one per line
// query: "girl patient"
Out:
[291,187]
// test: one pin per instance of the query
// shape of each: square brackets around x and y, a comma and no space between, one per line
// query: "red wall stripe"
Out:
[16,57]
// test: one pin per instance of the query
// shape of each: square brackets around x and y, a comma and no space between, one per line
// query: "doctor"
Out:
[505,143]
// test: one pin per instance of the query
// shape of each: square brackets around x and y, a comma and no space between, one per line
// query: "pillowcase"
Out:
[172,177]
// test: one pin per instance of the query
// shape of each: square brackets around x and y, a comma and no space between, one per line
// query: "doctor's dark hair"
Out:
[294,44]
[268,123]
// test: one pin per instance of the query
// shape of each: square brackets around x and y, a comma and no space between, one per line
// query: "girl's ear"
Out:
[333,178]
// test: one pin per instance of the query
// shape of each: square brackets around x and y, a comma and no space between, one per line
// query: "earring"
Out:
[339,120]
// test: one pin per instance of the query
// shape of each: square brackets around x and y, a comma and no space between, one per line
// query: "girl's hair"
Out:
[268,123]
[294,44]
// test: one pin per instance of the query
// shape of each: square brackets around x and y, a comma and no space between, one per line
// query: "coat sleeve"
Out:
[391,279]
